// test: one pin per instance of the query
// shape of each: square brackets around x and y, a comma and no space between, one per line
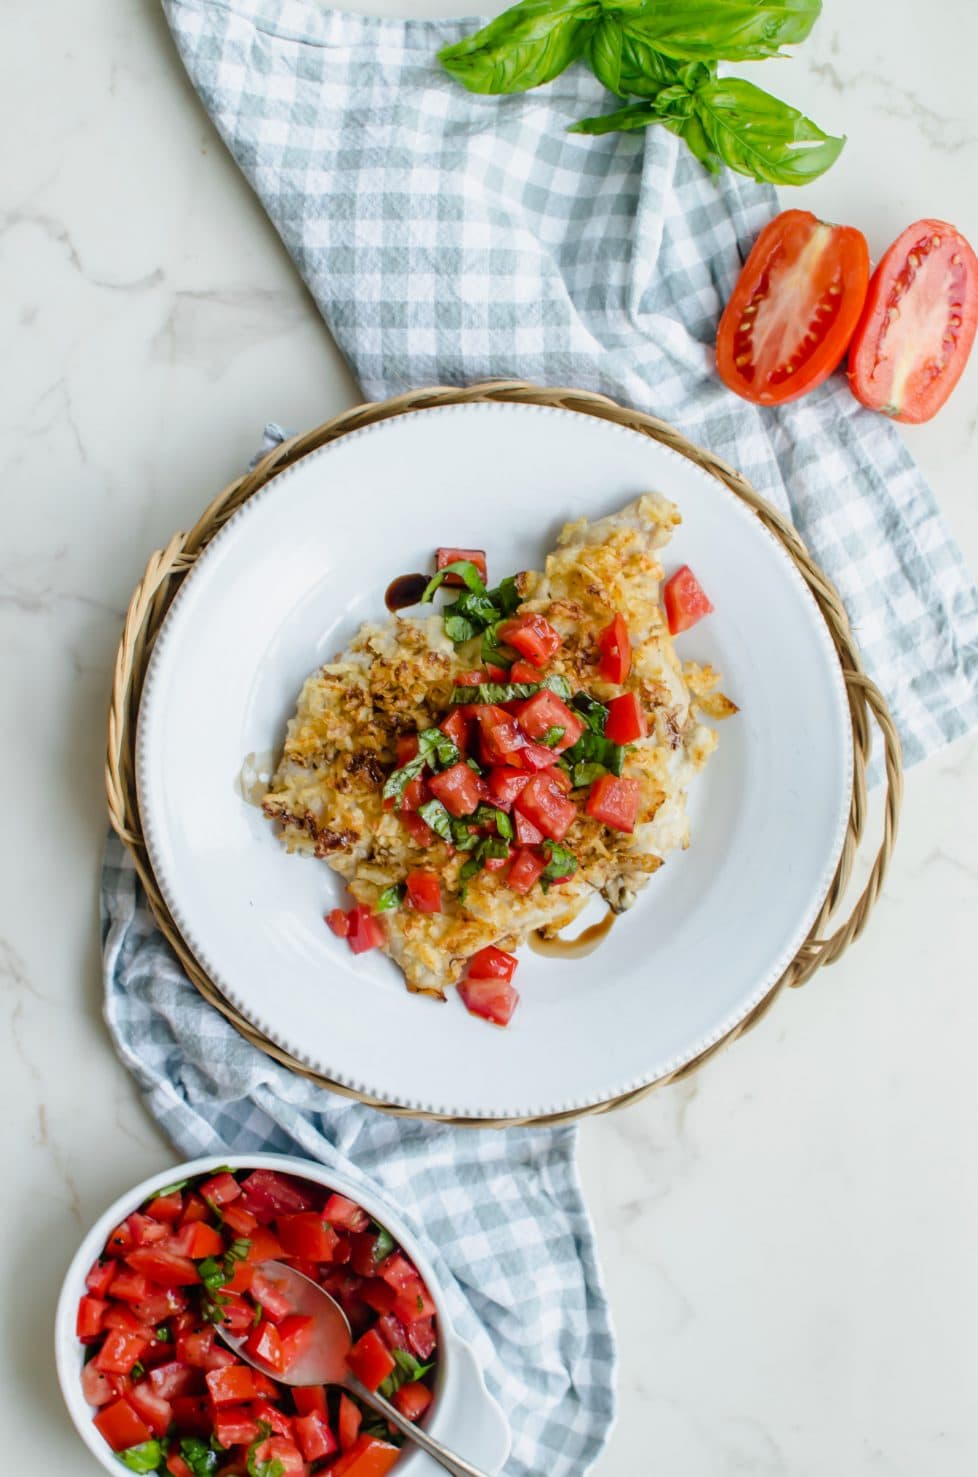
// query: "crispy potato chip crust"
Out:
[397,678]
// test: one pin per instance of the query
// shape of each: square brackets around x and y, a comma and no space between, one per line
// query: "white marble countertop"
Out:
[789,1239]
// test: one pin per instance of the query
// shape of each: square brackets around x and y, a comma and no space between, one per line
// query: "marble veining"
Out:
[787,1237]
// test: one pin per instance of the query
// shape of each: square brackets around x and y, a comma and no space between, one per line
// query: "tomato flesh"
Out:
[340,1211]
[918,325]
[367,1457]
[615,651]
[371,1360]
[532,636]
[492,999]
[489,963]
[526,869]
[500,735]
[614,802]
[685,600]
[626,719]
[794,309]
[424,889]
[546,807]
[413,1400]
[121,1426]
[544,711]
[366,931]
[457,788]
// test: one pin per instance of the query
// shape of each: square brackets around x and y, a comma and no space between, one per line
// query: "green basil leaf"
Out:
[724,30]
[491,651]
[170,1189]
[162,1334]
[494,692]
[236,1252]
[595,714]
[559,684]
[466,571]
[478,610]
[553,736]
[586,774]
[457,627]
[434,749]
[760,136]
[622,120]
[383,1246]
[506,597]
[256,1468]
[625,61]
[529,44]
[392,896]
[199,1456]
[434,814]
[475,766]
[594,748]
[561,863]
[464,836]
[138,1370]
[146,1457]
[488,815]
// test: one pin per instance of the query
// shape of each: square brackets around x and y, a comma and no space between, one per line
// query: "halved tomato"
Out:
[918,325]
[793,311]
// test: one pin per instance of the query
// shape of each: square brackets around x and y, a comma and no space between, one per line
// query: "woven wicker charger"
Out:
[167,568]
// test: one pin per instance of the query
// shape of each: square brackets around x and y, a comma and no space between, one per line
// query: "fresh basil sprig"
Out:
[665,53]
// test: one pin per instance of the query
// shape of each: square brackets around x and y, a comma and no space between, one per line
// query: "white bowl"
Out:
[463,1414]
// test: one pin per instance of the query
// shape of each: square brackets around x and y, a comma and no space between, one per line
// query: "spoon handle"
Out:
[447,1459]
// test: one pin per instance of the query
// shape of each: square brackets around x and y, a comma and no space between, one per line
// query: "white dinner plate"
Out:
[284,586]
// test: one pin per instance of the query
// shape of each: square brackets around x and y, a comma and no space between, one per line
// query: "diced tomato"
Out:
[100,1276]
[197,1239]
[275,1303]
[370,1359]
[542,802]
[194,1209]
[367,1457]
[167,1208]
[457,788]
[232,1386]
[424,888]
[239,1220]
[405,748]
[265,1246]
[120,1351]
[348,1422]
[421,1338]
[500,734]
[163,1267]
[532,636]
[366,931]
[397,1271]
[130,1286]
[545,710]
[526,869]
[493,1000]
[497,863]
[472,679]
[338,920]
[154,1410]
[419,831]
[615,651]
[98,1387]
[534,757]
[275,1419]
[241,1278]
[121,1315]
[378,1295]
[145,1230]
[684,599]
[265,1345]
[626,719]
[527,833]
[295,1332]
[220,1189]
[614,802]
[363,1258]
[238,1314]
[523,672]
[120,1240]
[194,1346]
[444,557]
[278,1449]
[340,1211]
[489,963]
[413,1302]
[314,1436]
[235,1425]
[267,1190]
[458,727]
[175,1464]
[194,1414]
[413,1400]
[174,1378]
[121,1426]
[413,797]
[160,1304]
[91,1315]
[505,783]
[309,1398]
[307,1235]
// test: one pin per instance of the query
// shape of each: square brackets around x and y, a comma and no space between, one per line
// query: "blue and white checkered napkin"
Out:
[449,238]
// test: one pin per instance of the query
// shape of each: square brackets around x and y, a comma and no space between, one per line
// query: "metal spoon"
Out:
[323,1359]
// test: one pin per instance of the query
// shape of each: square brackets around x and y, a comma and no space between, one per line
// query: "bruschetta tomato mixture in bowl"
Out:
[153,1388]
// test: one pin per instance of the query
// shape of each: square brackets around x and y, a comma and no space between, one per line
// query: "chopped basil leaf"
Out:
[383,1246]
[491,651]
[505,596]
[169,1190]
[464,836]
[146,1457]
[138,1370]
[407,1371]
[478,609]
[586,774]
[434,749]
[162,1335]
[594,748]
[457,628]
[489,846]
[562,863]
[391,897]
[595,714]
[553,736]
[494,692]
[199,1457]
[259,1315]
[475,766]
[488,815]
[434,814]
[256,1468]
[559,684]
[466,571]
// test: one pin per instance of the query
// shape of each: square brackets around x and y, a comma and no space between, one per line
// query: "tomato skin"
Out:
[413,1400]
[165,1267]
[532,636]
[505,783]
[526,869]
[100,1276]
[348,1423]
[120,1351]
[368,1457]
[220,1189]
[500,735]
[685,600]
[272,1193]
[370,1360]
[366,931]
[309,1398]
[295,1332]
[166,1207]
[794,309]
[340,1211]
[91,1315]
[626,719]
[458,727]
[98,1388]
[457,788]
[489,963]
[306,1236]
[447,556]
[314,1436]
[121,1426]
[265,1345]
[898,343]
[275,1304]
[535,757]
[234,1425]
[615,651]
[232,1386]
[154,1410]
[545,710]
[526,833]
[543,803]
[614,802]
[197,1239]
[424,889]
[492,999]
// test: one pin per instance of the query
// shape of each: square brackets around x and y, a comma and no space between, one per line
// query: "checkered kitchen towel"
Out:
[449,238]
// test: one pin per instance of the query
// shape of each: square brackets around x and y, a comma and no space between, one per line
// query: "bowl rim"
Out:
[67,1346]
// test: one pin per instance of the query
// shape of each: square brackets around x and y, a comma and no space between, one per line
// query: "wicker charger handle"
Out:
[165,571]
